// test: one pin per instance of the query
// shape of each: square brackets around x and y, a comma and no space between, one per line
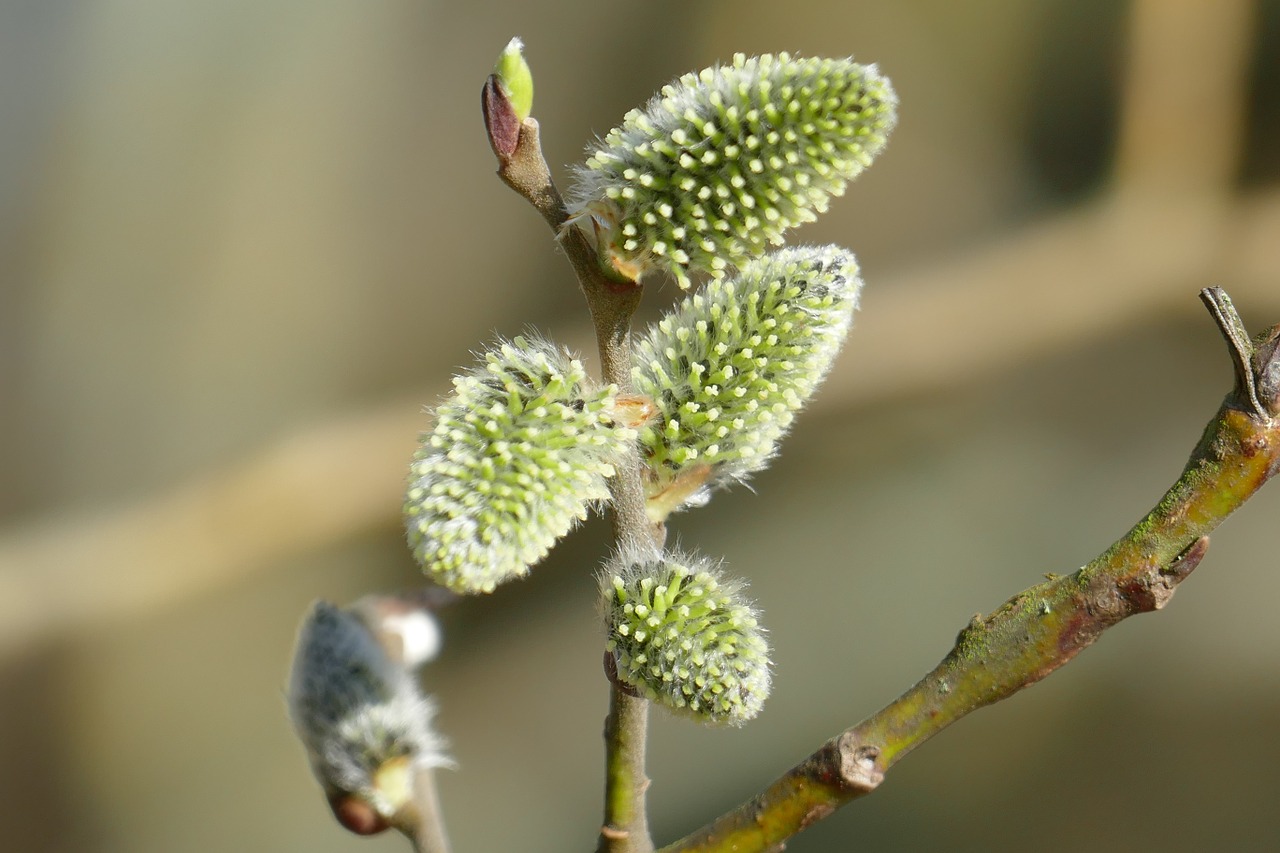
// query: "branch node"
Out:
[614,834]
[859,763]
[1152,590]
[976,623]
[611,672]
[810,817]
[1183,565]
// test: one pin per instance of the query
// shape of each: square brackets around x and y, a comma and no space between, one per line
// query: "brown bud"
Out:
[500,119]
[357,816]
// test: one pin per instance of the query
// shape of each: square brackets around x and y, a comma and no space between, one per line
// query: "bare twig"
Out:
[612,300]
[1043,627]
[427,833]
[626,731]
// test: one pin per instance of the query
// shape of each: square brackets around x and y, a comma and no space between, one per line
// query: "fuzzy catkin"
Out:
[721,163]
[731,365]
[355,710]
[683,636]
[519,451]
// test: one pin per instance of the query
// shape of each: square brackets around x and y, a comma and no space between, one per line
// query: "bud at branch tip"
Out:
[507,99]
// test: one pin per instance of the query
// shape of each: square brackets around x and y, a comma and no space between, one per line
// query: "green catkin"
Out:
[519,452]
[684,637]
[730,366]
[721,163]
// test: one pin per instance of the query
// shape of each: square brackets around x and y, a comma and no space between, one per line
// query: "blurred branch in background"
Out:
[1173,189]
[301,494]
[1182,114]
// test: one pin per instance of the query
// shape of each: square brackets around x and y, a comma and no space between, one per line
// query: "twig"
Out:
[626,823]
[1043,627]
[427,834]
[612,300]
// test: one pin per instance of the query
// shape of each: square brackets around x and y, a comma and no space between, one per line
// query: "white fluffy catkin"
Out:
[355,710]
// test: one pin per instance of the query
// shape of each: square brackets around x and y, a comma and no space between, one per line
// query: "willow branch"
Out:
[612,301]
[1043,627]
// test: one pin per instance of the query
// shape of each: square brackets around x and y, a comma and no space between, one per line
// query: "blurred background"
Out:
[243,244]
